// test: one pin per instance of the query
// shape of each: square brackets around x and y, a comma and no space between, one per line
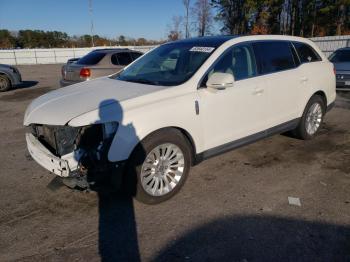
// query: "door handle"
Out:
[258,91]
[303,79]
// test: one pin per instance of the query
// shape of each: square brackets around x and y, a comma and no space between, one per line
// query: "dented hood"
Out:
[60,106]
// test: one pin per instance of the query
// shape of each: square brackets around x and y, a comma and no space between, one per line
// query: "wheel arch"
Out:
[185,134]
[322,95]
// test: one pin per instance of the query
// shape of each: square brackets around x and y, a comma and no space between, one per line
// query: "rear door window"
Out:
[306,53]
[91,58]
[274,56]
[123,58]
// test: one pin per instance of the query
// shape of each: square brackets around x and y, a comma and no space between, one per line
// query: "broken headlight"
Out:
[62,140]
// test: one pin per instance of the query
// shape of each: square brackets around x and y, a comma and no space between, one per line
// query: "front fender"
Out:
[141,122]
[137,122]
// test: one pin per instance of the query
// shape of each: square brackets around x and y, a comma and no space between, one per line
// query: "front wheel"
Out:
[312,118]
[160,166]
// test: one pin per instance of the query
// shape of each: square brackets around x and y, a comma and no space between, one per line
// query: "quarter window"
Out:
[274,56]
[239,61]
[306,53]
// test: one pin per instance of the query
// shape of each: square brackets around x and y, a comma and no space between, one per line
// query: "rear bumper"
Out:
[342,87]
[64,83]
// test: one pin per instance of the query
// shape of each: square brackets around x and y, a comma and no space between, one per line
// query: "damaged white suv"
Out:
[181,103]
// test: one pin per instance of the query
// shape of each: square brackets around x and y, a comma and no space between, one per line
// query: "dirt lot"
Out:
[234,207]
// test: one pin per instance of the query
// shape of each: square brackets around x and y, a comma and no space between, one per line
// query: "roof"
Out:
[113,50]
[212,41]
[343,48]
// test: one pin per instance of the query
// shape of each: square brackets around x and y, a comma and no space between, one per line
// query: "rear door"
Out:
[314,72]
[278,69]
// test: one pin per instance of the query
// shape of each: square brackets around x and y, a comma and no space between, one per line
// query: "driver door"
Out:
[235,112]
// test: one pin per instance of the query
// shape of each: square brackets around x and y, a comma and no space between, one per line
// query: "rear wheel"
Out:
[5,83]
[312,118]
[160,166]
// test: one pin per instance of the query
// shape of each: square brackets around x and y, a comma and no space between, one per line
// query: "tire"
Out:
[5,83]
[303,130]
[143,170]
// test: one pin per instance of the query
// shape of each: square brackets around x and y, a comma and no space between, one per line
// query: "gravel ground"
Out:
[234,207]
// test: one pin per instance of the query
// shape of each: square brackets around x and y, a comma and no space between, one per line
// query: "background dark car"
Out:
[341,60]
[100,62]
[9,77]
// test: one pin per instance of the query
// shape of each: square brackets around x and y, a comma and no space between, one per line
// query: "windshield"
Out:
[168,65]
[340,56]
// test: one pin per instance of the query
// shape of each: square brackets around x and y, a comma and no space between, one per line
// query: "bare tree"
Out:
[186,3]
[203,16]
[174,28]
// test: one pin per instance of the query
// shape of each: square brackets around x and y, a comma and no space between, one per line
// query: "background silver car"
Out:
[341,60]
[9,77]
[100,62]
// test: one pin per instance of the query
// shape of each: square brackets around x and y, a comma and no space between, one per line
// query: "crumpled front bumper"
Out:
[62,167]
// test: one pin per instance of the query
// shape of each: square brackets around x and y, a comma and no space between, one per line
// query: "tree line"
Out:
[307,18]
[50,39]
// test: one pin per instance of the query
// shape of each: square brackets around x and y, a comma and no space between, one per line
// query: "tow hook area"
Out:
[102,176]
[94,168]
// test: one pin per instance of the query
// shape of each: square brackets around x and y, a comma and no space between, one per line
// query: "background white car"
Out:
[181,103]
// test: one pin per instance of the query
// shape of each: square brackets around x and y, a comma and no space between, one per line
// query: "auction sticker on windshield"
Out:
[203,49]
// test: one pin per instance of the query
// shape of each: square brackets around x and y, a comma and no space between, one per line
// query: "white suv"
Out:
[181,103]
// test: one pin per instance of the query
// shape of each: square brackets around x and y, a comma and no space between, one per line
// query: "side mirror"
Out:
[220,81]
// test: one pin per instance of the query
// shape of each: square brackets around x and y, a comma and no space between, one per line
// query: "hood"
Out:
[60,106]
[344,66]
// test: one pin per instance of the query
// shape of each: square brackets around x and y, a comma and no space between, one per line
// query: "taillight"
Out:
[85,72]
[334,71]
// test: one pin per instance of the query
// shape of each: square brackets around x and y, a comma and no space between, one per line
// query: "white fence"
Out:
[328,44]
[52,55]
